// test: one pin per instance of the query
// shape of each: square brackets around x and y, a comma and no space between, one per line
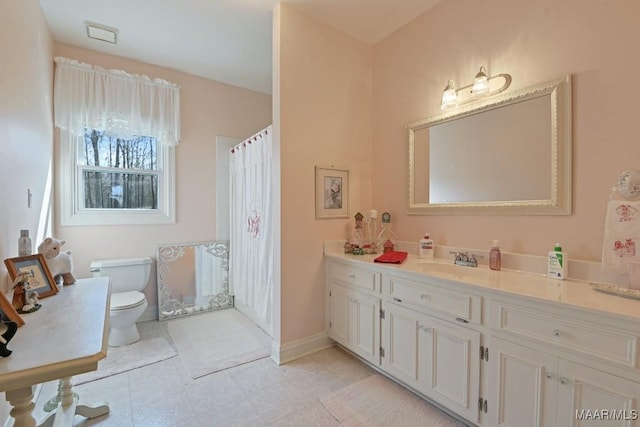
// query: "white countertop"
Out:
[66,337]
[575,293]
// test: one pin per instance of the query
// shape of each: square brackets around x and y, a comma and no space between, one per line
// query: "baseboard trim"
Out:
[293,350]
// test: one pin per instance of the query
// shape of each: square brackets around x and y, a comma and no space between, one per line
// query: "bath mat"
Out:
[218,340]
[128,357]
[378,401]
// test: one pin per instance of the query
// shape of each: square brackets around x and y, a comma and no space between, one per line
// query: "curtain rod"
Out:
[252,137]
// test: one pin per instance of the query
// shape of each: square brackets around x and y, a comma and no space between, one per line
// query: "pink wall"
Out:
[26,133]
[595,41]
[323,98]
[208,109]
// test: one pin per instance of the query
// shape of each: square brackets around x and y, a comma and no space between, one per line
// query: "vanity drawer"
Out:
[453,303]
[354,276]
[593,339]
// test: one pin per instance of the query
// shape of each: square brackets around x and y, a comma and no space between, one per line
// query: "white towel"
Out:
[621,235]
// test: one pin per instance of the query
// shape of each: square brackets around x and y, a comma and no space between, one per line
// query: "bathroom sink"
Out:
[452,269]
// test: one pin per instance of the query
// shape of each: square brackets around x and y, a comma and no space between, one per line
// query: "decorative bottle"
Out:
[387,236]
[495,258]
[24,243]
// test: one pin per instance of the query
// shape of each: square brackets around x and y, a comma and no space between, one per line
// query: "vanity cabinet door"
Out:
[522,386]
[355,322]
[584,393]
[451,362]
[403,337]
[435,357]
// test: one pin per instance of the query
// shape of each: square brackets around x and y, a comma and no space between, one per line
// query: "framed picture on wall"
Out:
[36,273]
[332,192]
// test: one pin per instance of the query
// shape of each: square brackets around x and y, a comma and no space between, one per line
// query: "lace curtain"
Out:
[87,96]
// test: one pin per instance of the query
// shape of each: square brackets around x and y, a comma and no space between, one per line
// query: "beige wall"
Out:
[595,41]
[324,100]
[26,133]
[208,109]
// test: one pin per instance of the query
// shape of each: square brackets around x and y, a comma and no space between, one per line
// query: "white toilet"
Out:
[129,277]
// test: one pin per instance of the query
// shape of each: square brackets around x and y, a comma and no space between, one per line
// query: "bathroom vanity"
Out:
[495,348]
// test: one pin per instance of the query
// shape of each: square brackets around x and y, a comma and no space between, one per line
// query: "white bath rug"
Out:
[218,340]
[128,357]
[378,401]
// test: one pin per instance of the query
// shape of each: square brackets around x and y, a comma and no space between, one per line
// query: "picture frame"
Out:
[40,279]
[10,313]
[332,192]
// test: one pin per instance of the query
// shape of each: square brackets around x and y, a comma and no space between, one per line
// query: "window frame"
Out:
[71,189]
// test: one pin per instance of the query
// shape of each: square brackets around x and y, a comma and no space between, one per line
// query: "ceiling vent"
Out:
[101,32]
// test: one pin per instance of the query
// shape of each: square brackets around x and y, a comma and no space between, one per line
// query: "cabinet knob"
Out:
[425,297]
[549,375]
[556,333]
[564,381]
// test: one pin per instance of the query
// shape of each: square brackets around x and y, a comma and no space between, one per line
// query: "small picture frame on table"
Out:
[37,273]
[332,192]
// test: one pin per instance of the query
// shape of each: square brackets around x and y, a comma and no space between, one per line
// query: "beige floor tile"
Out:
[314,415]
[255,394]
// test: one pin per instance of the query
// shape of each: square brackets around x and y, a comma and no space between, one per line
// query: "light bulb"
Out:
[449,97]
[481,82]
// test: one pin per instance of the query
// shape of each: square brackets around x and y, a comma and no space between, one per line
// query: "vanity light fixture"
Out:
[479,87]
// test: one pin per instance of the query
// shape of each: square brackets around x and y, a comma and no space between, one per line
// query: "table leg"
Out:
[55,400]
[69,406]
[22,411]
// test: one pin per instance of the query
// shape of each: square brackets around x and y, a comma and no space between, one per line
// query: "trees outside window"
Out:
[118,173]
[109,179]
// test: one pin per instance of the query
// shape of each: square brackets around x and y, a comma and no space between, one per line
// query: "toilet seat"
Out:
[126,300]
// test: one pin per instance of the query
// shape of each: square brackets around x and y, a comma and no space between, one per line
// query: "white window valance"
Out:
[88,96]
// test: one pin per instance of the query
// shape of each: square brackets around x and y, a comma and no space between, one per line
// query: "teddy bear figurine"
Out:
[59,263]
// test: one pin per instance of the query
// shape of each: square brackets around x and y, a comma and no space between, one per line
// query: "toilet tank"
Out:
[126,274]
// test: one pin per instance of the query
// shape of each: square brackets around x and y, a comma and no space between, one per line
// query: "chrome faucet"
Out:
[466,260]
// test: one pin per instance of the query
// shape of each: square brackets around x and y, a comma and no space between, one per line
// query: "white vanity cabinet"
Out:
[354,309]
[498,349]
[550,370]
[435,357]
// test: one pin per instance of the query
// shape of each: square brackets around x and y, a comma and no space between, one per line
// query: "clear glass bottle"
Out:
[387,237]
[24,243]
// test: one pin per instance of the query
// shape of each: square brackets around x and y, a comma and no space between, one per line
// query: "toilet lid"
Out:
[124,300]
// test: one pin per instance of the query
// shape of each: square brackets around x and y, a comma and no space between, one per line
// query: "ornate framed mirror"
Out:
[193,278]
[510,154]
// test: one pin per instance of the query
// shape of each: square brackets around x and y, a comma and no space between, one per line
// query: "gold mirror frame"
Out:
[560,201]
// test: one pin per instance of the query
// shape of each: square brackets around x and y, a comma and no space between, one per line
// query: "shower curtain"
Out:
[251,234]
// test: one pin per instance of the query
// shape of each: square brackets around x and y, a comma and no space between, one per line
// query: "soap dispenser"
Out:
[495,257]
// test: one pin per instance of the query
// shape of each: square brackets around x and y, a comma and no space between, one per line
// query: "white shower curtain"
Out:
[251,234]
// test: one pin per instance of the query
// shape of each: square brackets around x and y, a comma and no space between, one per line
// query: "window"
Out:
[117,139]
[107,179]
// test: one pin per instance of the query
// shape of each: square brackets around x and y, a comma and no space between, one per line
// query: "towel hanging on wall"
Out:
[622,223]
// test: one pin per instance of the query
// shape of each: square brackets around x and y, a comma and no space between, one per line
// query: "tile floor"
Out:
[255,394]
